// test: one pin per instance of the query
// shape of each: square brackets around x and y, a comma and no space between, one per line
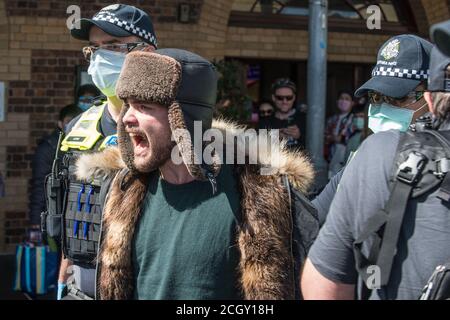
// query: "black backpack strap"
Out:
[408,174]
[370,231]
[383,229]
[382,250]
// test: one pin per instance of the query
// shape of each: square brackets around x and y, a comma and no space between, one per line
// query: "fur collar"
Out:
[264,236]
[278,159]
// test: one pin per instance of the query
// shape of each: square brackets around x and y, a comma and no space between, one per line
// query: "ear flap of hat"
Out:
[149,77]
[192,157]
[124,142]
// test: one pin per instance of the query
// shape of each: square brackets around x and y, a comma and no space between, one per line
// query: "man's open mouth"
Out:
[140,142]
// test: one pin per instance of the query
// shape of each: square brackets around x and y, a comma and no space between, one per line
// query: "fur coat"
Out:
[265,235]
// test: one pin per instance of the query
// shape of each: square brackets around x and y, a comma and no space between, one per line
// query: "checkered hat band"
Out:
[126,26]
[401,73]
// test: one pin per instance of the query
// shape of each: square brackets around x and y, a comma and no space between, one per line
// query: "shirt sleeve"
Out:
[323,201]
[361,193]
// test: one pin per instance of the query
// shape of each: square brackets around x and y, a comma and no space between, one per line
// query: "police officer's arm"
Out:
[63,270]
[41,166]
[317,287]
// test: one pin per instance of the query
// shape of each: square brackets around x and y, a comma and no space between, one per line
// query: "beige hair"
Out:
[441,103]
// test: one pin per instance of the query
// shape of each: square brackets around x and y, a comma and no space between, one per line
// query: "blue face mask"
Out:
[104,67]
[358,122]
[85,102]
[84,105]
[383,117]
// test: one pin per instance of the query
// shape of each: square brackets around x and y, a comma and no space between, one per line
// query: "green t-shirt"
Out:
[185,244]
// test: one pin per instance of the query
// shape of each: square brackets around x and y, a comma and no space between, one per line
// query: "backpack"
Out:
[421,165]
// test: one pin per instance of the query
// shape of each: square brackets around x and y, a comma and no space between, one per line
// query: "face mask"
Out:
[358,122]
[344,105]
[84,105]
[383,117]
[105,68]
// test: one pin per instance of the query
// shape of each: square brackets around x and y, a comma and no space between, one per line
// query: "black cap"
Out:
[118,20]
[284,83]
[438,80]
[402,64]
[440,34]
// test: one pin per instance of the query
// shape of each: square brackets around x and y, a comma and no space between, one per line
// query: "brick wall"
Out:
[436,10]
[33,107]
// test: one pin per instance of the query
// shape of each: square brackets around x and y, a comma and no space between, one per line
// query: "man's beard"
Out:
[160,152]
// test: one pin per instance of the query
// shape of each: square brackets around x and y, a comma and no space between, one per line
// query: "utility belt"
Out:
[75,207]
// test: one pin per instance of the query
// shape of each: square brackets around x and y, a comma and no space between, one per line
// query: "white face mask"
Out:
[383,117]
[104,67]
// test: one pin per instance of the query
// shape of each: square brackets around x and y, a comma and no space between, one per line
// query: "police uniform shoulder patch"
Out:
[391,50]
[112,7]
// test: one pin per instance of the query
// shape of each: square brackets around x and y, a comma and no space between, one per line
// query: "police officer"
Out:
[112,32]
[404,52]
[390,212]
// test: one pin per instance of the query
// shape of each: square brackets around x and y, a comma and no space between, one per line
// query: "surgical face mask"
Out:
[84,105]
[85,102]
[358,122]
[383,117]
[344,105]
[104,68]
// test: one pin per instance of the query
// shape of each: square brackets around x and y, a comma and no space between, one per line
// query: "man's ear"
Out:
[60,125]
[429,100]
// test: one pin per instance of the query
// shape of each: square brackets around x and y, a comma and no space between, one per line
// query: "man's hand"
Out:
[292,131]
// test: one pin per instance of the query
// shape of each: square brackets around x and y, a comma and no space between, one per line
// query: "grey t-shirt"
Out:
[323,201]
[362,192]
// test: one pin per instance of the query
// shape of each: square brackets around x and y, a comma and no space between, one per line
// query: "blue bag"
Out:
[36,269]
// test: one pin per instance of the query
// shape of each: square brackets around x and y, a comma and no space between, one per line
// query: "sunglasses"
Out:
[120,47]
[411,97]
[283,98]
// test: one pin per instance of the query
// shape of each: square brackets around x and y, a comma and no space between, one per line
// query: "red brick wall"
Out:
[161,10]
[51,87]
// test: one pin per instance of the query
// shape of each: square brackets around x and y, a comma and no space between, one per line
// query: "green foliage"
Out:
[231,91]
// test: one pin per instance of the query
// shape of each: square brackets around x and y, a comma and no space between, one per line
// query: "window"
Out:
[344,15]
